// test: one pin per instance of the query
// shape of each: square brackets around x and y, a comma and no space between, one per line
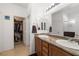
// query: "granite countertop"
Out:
[52,40]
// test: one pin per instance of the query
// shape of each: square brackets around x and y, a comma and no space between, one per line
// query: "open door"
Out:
[18,30]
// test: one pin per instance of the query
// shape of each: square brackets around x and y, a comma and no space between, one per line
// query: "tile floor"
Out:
[19,50]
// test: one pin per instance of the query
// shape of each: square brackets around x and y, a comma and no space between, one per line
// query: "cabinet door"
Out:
[45,50]
[55,51]
[50,50]
[38,46]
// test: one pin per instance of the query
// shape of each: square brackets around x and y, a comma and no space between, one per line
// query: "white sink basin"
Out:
[43,36]
[68,44]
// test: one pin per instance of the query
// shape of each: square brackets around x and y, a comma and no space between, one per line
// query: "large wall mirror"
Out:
[71,20]
[66,21]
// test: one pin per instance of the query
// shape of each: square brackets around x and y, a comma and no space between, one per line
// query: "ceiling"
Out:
[25,5]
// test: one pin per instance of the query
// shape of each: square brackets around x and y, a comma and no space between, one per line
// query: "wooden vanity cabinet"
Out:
[56,51]
[38,46]
[44,48]
[41,47]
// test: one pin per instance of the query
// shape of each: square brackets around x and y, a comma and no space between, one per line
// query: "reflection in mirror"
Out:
[44,26]
[38,28]
[69,26]
[69,34]
[41,25]
[71,19]
[66,20]
[50,29]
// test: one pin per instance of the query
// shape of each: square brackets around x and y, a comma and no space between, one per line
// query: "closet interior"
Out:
[18,30]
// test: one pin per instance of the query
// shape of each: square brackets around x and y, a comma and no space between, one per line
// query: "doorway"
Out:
[18,31]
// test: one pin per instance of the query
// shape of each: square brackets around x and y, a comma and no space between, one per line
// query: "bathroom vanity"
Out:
[47,46]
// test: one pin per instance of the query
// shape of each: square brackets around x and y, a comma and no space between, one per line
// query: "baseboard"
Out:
[34,54]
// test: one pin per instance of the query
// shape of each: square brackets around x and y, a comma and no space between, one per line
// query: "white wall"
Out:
[7,26]
[7,32]
[1,46]
[38,15]
[27,25]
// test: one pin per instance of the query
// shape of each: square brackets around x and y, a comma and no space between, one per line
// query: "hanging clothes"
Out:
[20,27]
[17,33]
